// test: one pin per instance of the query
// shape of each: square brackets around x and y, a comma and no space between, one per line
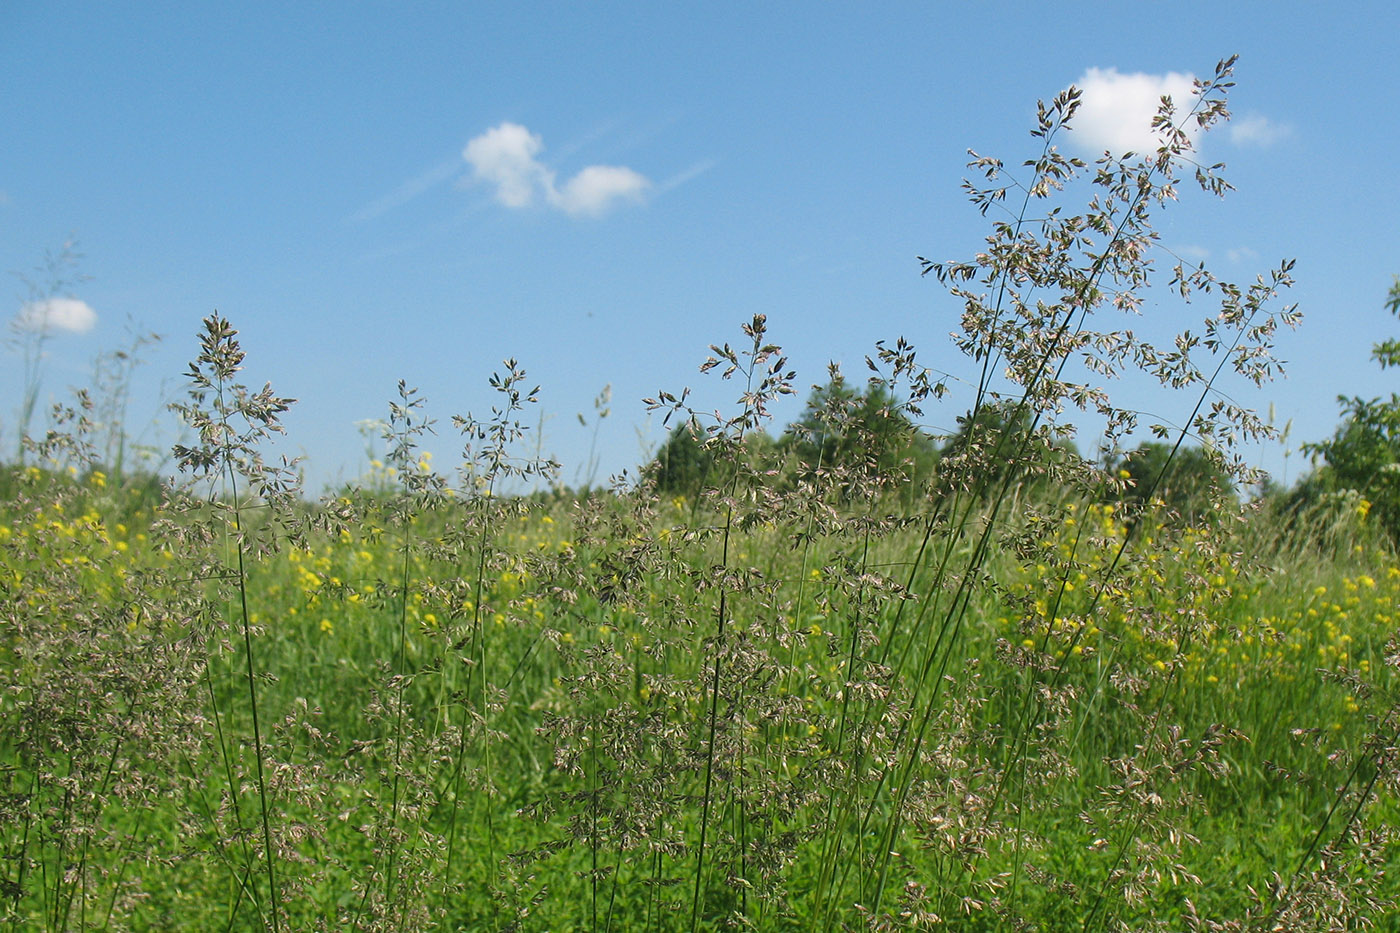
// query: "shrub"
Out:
[1363,455]
[1189,481]
[859,434]
[689,463]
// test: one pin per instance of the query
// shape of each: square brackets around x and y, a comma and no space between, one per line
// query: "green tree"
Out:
[859,437]
[1363,456]
[1189,480]
[688,463]
[682,466]
[999,446]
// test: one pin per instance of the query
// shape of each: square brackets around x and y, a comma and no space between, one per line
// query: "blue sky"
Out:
[381,191]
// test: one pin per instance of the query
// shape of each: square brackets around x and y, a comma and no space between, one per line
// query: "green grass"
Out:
[1066,769]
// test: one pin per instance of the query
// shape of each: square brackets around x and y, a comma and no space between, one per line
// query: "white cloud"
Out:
[1116,111]
[51,314]
[597,187]
[1256,130]
[506,156]
[1242,254]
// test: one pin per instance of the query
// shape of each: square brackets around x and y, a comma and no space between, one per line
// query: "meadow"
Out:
[827,686]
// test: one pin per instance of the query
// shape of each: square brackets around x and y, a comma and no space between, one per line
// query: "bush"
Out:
[857,435]
[1363,455]
[689,463]
[1187,480]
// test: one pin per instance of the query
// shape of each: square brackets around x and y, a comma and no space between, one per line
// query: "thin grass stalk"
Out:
[221,846]
[23,857]
[116,887]
[460,757]
[711,723]
[478,651]
[616,882]
[593,818]
[79,889]
[221,455]
[402,679]
[789,669]
[485,712]
[754,410]
[233,797]
[399,678]
[242,584]
[1341,794]
[831,847]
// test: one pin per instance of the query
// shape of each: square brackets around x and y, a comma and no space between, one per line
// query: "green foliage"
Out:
[1363,456]
[1189,481]
[999,448]
[1387,352]
[853,433]
[682,466]
[689,463]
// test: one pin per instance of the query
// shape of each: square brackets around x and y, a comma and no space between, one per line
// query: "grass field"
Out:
[613,712]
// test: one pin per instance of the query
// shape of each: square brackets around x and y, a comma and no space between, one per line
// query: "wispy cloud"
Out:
[507,157]
[54,314]
[415,186]
[590,138]
[686,174]
[1241,254]
[1257,130]
[1117,109]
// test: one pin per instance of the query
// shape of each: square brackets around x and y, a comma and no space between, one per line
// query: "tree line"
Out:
[852,437]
